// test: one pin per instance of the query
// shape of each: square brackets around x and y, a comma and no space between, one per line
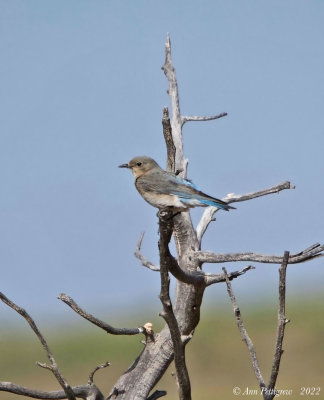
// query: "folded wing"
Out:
[165,183]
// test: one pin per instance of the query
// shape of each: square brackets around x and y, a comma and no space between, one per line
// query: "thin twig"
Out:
[211,279]
[282,321]
[246,338]
[101,324]
[52,366]
[208,214]
[144,261]
[91,376]
[234,198]
[186,118]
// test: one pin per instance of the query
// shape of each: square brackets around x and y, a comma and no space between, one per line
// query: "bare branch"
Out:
[211,279]
[282,321]
[91,376]
[310,253]
[166,228]
[185,119]
[84,392]
[53,366]
[198,278]
[145,262]
[202,279]
[103,325]
[246,338]
[157,394]
[176,123]
[233,198]
[36,394]
[268,392]
[208,215]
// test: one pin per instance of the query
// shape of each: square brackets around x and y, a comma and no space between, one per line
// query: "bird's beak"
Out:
[123,166]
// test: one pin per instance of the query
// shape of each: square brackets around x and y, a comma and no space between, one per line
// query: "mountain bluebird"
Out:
[164,189]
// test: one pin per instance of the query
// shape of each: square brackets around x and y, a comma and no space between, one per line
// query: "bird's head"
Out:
[140,165]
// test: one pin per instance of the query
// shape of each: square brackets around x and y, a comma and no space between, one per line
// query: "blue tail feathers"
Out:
[218,204]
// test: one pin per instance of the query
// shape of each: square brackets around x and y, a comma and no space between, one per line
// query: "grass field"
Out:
[217,358]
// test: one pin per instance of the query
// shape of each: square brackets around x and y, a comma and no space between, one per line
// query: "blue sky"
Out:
[82,91]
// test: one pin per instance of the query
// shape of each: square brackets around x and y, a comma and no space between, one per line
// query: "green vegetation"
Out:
[217,358]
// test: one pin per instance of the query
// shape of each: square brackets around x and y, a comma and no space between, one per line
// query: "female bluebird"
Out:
[164,189]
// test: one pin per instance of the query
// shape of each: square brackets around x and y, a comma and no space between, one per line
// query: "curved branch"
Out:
[52,366]
[208,215]
[144,261]
[310,253]
[198,278]
[101,324]
[84,392]
[92,373]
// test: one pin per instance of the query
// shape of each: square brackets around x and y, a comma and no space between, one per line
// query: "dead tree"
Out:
[183,315]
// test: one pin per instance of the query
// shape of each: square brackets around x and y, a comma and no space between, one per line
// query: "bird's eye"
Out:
[138,163]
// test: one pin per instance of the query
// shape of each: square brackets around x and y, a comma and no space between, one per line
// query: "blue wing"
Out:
[165,183]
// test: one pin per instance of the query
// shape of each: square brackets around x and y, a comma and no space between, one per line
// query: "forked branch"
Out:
[197,278]
[268,391]
[52,366]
